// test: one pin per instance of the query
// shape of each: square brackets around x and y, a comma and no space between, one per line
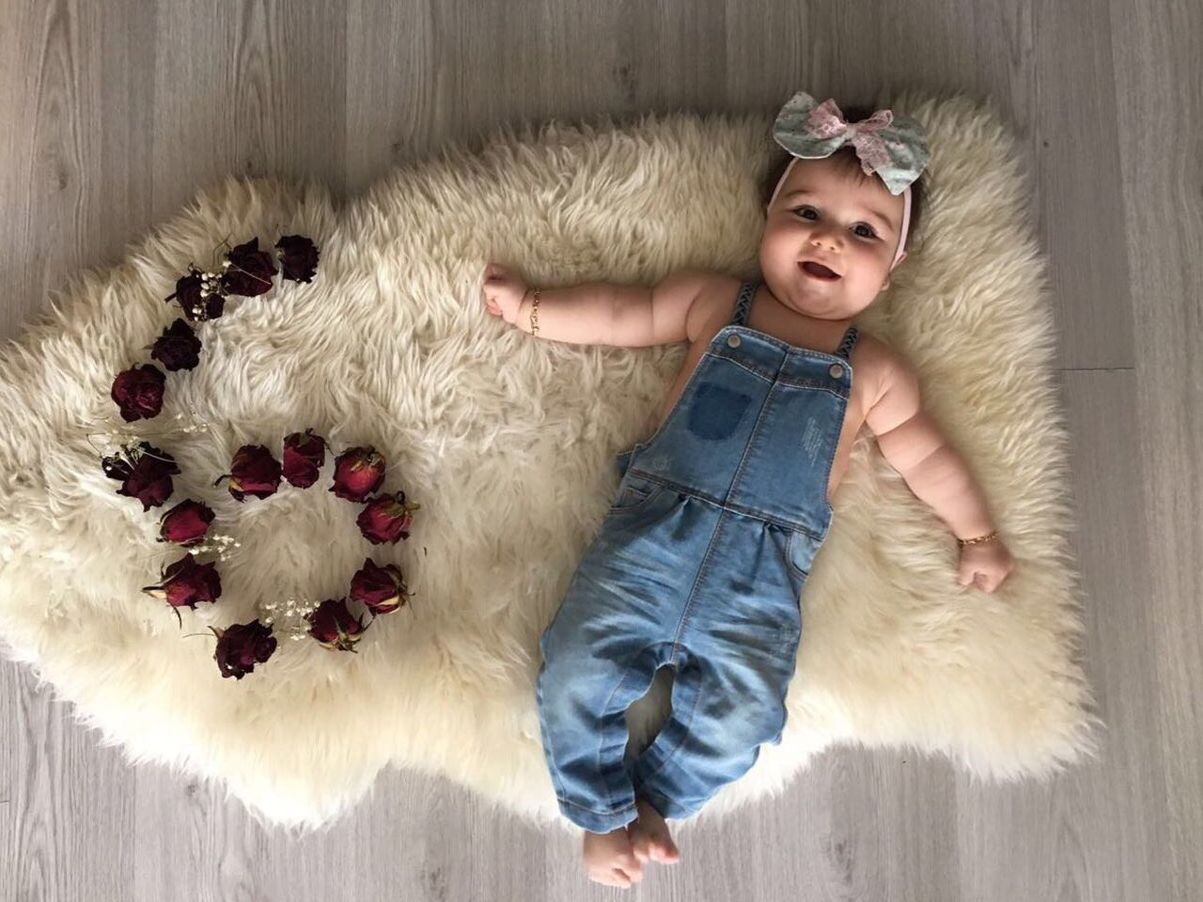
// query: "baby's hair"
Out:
[847,160]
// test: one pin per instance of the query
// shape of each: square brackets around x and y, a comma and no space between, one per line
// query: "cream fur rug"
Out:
[507,442]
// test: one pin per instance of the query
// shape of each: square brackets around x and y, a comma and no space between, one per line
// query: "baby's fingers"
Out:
[494,272]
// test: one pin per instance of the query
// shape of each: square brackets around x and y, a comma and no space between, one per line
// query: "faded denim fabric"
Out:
[699,565]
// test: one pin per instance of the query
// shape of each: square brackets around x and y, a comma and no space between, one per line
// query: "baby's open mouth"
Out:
[818,271]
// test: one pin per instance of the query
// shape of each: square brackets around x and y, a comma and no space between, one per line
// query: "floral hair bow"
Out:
[893,146]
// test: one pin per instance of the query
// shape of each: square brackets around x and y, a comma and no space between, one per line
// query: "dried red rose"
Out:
[298,257]
[199,294]
[186,582]
[116,467]
[253,472]
[304,455]
[250,272]
[177,348]
[334,626]
[380,589]
[241,646]
[186,523]
[386,519]
[138,392]
[149,477]
[357,473]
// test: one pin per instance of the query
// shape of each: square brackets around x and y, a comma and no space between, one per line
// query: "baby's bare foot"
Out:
[650,837]
[609,858]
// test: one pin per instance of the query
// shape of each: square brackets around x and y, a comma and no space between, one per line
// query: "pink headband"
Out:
[906,210]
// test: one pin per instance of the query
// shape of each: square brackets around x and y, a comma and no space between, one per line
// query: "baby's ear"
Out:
[893,266]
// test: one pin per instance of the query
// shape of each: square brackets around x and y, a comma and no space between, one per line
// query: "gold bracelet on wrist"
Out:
[979,539]
[534,314]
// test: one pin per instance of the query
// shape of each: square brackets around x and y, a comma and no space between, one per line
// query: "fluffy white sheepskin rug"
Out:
[507,442]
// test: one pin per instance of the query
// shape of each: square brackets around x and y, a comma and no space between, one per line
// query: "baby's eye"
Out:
[803,210]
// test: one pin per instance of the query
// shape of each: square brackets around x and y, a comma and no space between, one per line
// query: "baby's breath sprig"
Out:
[220,551]
[217,544]
[211,283]
[112,439]
[292,612]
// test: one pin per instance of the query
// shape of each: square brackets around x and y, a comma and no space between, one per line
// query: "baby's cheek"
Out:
[868,270]
[776,249]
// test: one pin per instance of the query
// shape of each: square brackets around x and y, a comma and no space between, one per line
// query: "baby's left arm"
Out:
[914,445]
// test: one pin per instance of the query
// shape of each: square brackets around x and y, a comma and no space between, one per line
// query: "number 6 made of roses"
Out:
[145,472]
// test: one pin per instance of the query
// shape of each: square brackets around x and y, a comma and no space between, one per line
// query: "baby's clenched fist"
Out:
[504,292]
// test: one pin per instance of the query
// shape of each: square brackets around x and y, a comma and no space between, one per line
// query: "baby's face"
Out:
[822,214]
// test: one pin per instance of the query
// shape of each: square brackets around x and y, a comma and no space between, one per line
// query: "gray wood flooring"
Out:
[112,115]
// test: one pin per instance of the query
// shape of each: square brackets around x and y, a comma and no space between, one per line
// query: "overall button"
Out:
[836,371]
[733,341]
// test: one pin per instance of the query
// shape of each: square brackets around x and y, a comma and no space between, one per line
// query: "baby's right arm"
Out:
[600,312]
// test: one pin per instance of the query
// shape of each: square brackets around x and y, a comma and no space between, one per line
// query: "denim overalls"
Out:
[699,565]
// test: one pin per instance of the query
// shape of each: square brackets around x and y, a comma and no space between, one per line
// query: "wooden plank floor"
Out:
[112,115]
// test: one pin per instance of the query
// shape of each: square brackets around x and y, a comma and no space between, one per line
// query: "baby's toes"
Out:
[630,865]
[610,877]
[641,845]
[663,850]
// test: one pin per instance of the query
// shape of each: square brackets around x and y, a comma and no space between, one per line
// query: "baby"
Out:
[702,558]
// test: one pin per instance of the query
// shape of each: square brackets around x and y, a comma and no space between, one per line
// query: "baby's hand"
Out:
[504,292]
[985,565]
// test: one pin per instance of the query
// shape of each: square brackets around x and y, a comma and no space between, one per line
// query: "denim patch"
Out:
[716,411]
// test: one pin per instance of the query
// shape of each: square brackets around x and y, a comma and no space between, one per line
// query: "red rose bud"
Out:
[298,257]
[304,454]
[186,582]
[186,523]
[357,473]
[253,472]
[149,479]
[241,647]
[138,392]
[177,348]
[380,589]
[386,519]
[199,295]
[333,626]
[250,271]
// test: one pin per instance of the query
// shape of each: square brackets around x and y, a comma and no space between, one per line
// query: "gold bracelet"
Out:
[534,314]
[985,538]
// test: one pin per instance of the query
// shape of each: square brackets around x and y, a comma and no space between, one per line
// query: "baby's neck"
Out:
[796,327]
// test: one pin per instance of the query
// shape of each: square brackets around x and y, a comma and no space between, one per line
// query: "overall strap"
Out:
[746,291]
[847,344]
